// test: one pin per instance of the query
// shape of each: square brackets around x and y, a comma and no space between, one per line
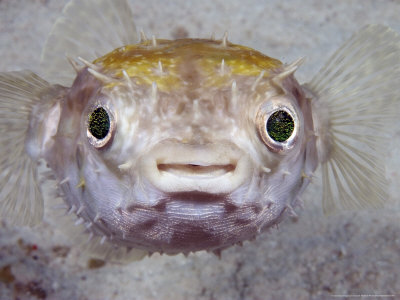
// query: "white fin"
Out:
[20,197]
[88,29]
[358,100]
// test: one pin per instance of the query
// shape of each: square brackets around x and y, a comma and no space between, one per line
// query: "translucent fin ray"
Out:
[20,197]
[87,29]
[357,103]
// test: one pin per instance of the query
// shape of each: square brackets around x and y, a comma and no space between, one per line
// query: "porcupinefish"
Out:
[177,146]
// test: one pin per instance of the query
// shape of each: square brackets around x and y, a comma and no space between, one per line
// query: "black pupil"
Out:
[280,126]
[99,123]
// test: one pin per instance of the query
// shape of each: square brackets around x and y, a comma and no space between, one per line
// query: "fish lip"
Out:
[196,170]
[216,168]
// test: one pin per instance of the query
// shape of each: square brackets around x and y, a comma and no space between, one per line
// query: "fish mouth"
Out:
[216,168]
[197,170]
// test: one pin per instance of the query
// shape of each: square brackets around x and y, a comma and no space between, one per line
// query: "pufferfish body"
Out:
[177,146]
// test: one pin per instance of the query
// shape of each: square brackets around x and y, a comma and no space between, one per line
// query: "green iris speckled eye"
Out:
[280,126]
[99,123]
[100,126]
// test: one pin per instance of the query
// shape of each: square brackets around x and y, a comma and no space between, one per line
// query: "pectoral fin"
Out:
[20,197]
[356,104]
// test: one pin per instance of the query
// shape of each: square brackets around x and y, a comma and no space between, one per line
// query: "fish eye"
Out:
[278,125]
[100,126]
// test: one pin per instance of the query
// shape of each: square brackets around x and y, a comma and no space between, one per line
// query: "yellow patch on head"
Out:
[172,64]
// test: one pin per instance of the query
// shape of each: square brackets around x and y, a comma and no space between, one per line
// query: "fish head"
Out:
[184,145]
